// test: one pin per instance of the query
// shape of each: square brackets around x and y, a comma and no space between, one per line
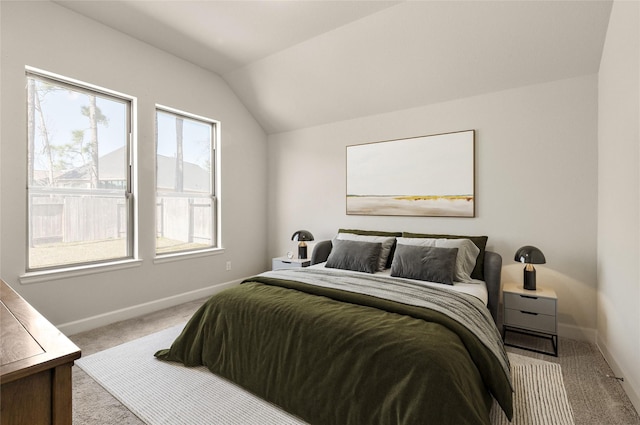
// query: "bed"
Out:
[337,344]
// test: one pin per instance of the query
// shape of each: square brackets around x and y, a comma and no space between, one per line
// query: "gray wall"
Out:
[536,180]
[52,38]
[619,197]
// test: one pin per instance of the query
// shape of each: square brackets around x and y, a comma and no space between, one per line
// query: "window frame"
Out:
[35,274]
[214,188]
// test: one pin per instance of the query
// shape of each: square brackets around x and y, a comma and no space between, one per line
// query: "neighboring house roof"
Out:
[196,178]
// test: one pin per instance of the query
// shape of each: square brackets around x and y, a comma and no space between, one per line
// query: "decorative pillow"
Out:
[427,263]
[354,255]
[479,241]
[387,239]
[467,253]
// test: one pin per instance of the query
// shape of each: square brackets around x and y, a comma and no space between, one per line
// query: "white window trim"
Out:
[81,84]
[79,269]
[75,271]
[186,255]
[216,189]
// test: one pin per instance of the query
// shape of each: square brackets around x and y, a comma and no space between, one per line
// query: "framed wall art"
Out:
[419,176]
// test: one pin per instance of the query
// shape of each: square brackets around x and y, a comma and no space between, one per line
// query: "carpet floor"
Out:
[594,398]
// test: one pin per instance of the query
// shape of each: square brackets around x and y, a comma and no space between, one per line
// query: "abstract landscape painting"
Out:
[419,176]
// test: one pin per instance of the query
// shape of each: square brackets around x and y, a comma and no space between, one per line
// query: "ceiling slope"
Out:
[298,64]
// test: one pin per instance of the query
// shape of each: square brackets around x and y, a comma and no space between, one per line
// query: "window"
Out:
[185,169]
[80,206]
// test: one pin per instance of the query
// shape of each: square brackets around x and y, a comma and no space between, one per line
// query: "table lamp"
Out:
[529,255]
[302,236]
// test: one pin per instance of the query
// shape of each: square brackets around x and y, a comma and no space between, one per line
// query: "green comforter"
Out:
[337,357]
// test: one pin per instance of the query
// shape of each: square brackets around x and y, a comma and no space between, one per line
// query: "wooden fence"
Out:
[171,212]
[73,218]
[66,219]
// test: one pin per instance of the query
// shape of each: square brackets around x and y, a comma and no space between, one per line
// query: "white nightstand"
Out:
[280,263]
[531,313]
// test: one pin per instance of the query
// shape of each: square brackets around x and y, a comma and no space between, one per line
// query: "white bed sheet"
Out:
[477,288]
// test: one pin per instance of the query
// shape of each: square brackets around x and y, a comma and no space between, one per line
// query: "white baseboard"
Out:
[629,385]
[577,332]
[93,322]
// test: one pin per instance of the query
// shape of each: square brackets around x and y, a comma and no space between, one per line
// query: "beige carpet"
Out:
[142,383]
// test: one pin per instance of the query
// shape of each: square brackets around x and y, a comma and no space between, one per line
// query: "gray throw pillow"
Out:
[385,249]
[426,263]
[467,253]
[480,241]
[354,255]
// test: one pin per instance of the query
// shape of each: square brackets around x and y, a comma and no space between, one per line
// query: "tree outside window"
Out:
[79,179]
[185,199]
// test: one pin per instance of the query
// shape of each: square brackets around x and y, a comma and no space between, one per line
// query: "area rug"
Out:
[141,382]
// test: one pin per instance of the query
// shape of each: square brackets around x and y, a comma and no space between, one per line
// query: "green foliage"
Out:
[100,117]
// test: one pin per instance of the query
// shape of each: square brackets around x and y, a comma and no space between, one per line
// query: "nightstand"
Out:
[531,313]
[280,263]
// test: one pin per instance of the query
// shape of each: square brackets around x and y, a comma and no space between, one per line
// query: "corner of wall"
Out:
[631,388]
[577,332]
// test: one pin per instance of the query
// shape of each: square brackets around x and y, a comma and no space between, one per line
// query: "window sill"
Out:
[46,275]
[178,256]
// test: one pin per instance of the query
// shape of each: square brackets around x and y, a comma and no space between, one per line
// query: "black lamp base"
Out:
[302,251]
[530,279]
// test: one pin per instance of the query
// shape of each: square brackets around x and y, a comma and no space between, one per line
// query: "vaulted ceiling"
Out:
[297,64]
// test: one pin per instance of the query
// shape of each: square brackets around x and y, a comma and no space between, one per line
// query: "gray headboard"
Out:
[492,272]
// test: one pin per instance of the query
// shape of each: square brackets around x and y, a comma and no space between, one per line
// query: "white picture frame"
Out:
[431,176]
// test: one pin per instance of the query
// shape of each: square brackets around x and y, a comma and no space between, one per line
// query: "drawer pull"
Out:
[528,312]
[528,296]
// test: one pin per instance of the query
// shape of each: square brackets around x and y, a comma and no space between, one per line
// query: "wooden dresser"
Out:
[35,365]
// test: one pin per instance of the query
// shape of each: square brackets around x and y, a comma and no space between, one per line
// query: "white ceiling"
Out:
[296,64]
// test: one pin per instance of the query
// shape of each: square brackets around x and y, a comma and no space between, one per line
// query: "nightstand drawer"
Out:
[282,263]
[529,320]
[530,303]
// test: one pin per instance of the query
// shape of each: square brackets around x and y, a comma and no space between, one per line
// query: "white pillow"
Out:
[417,241]
[386,241]
[467,253]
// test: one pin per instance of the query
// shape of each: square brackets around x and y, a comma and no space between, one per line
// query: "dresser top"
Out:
[29,342]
